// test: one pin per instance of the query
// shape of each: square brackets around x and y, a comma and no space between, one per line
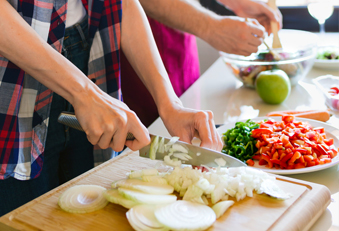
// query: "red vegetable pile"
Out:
[289,144]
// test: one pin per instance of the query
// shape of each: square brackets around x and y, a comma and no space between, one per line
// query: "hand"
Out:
[255,9]
[107,121]
[234,35]
[188,123]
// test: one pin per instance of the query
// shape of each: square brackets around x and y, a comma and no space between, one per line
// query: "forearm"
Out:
[140,49]
[20,44]
[194,20]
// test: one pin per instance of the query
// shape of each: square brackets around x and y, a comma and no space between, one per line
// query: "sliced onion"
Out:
[161,148]
[155,179]
[146,187]
[143,198]
[113,196]
[83,199]
[221,207]
[185,215]
[143,172]
[154,148]
[142,218]
[179,148]
[270,188]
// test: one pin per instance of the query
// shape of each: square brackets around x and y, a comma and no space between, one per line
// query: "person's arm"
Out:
[140,49]
[225,33]
[101,116]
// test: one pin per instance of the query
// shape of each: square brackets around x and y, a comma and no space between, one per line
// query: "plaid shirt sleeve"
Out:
[25,103]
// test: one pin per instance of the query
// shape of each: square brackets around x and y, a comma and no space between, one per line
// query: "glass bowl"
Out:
[296,58]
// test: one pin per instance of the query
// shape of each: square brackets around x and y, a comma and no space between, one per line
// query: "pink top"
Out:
[179,54]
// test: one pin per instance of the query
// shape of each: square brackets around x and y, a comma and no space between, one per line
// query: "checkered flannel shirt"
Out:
[25,103]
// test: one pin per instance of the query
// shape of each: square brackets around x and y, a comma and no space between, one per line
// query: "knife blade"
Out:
[200,156]
[207,156]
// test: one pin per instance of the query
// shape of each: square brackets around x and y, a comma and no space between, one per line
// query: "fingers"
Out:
[207,131]
[203,128]
[256,29]
[217,142]
[110,129]
[140,133]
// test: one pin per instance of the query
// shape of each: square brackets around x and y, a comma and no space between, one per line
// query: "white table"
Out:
[217,90]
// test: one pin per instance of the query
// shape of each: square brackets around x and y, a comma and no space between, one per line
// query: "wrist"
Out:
[166,109]
[231,4]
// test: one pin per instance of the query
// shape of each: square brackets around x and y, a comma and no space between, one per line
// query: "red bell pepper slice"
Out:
[319,130]
[250,162]
[288,118]
[256,133]
[328,142]
[321,150]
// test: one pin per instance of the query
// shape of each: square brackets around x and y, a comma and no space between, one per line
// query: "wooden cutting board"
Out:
[261,212]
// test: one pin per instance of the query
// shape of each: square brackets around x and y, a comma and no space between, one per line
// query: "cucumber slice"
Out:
[143,198]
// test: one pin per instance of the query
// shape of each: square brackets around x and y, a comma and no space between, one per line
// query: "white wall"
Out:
[207,55]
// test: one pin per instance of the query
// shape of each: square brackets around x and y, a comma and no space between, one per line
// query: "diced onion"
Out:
[82,199]
[220,162]
[221,207]
[185,215]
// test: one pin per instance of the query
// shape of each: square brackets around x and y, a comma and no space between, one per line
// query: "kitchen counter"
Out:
[217,90]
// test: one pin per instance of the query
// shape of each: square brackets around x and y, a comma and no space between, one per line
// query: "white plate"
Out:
[327,64]
[331,132]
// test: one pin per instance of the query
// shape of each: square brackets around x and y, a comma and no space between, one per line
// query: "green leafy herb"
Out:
[238,140]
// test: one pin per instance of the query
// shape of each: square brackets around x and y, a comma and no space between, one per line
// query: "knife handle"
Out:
[69,119]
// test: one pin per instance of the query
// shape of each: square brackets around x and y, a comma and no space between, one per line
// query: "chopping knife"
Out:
[200,156]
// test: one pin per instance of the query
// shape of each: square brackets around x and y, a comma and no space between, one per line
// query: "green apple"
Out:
[273,86]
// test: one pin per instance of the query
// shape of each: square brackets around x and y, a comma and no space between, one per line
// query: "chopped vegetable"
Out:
[238,141]
[144,172]
[292,144]
[154,148]
[155,179]
[185,215]
[221,207]
[161,148]
[83,199]
[113,196]
[328,55]
[220,162]
[144,198]
[272,189]
[142,218]
[146,187]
